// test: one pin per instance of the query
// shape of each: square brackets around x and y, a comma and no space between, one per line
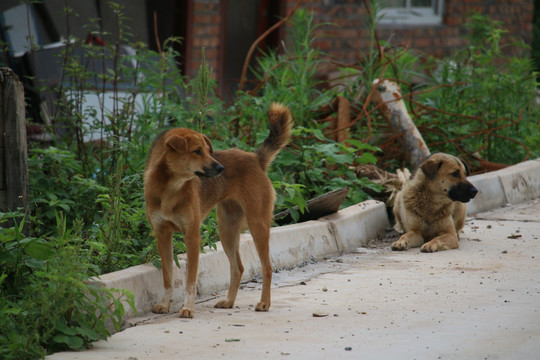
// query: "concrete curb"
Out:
[511,185]
[290,245]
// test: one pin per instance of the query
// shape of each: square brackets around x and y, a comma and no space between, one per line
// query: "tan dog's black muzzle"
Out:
[463,192]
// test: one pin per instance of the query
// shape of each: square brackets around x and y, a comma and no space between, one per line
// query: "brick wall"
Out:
[204,32]
[349,38]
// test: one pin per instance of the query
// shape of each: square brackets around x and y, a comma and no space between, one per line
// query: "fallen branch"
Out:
[387,97]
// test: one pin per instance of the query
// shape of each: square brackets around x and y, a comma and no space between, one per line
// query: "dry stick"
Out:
[156,36]
[261,38]
[394,110]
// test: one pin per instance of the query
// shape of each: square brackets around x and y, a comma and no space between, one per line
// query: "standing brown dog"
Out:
[430,207]
[184,179]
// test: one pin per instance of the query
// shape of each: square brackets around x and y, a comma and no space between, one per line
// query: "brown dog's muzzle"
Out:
[212,171]
[463,192]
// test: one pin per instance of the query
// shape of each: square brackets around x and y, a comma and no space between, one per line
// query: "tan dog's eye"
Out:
[197,152]
[455,174]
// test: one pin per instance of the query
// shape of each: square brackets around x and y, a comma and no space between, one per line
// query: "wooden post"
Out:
[13,145]
[343,119]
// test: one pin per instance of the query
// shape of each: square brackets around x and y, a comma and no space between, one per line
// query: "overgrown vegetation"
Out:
[47,303]
[87,212]
[491,102]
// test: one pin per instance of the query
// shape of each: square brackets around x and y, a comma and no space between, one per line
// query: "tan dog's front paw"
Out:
[186,313]
[400,245]
[262,306]
[439,244]
[430,247]
[160,309]
[224,304]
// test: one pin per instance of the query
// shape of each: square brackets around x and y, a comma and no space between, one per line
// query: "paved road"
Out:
[481,301]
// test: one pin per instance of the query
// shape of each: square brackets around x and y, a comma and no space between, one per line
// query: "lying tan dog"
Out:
[184,179]
[430,207]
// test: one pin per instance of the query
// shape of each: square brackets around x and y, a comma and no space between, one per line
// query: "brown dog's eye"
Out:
[197,152]
[455,174]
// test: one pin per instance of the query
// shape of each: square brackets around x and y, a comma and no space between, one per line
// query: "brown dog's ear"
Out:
[430,167]
[177,143]
[207,140]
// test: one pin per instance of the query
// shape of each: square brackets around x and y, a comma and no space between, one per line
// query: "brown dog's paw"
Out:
[224,304]
[262,306]
[399,245]
[186,313]
[160,309]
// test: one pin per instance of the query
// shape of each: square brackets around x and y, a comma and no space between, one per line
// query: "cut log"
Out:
[387,96]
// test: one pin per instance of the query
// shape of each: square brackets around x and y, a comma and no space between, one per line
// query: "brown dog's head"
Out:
[191,152]
[447,174]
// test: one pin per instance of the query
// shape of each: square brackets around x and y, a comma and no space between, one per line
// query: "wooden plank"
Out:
[13,127]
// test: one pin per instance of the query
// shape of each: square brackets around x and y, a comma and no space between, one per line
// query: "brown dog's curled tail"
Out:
[280,119]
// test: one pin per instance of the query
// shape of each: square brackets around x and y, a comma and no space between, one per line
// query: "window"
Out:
[411,12]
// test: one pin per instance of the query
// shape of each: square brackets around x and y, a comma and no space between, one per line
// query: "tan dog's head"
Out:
[447,174]
[191,152]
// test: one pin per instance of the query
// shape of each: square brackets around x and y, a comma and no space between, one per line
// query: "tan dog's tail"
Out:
[280,119]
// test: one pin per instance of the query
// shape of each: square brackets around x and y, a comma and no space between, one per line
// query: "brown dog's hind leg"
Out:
[261,235]
[164,232]
[408,240]
[230,219]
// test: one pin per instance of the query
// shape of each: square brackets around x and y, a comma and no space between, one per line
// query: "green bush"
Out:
[485,100]
[46,302]
[58,184]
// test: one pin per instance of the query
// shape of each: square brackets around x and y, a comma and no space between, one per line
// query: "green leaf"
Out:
[34,263]
[62,327]
[367,158]
[89,333]
[73,342]
[39,250]
[287,158]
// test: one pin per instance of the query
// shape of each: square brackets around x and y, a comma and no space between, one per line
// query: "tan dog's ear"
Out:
[430,167]
[207,140]
[467,168]
[177,143]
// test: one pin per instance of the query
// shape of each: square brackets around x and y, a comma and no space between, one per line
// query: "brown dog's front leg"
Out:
[442,242]
[192,239]
[408,240]
[164,241]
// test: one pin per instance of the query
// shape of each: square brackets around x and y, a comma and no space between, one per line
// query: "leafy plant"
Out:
[47,304]
[488,97]
[57,184]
